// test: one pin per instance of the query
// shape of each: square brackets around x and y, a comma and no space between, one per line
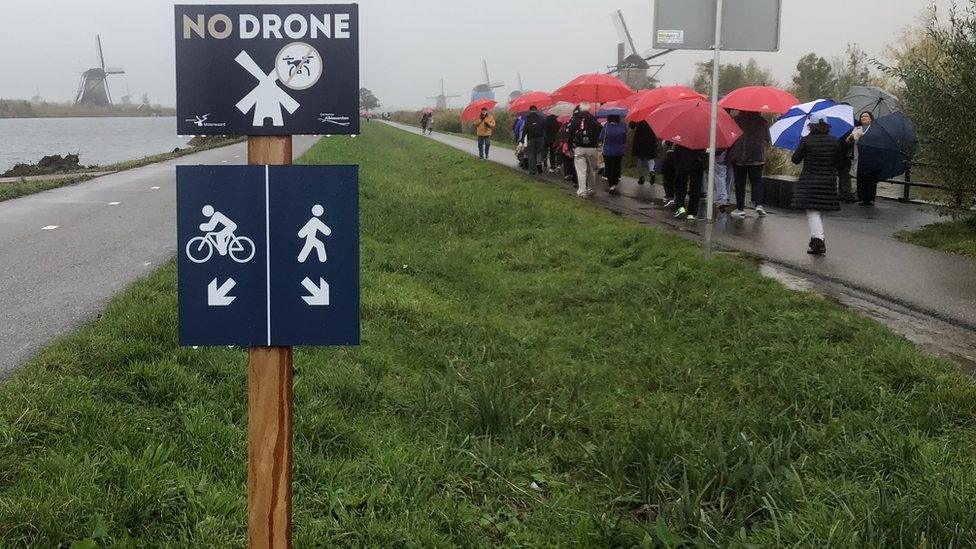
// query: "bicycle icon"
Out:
[200,248]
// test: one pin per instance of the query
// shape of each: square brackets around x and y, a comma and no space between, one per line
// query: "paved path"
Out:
[66,251]
[861,251]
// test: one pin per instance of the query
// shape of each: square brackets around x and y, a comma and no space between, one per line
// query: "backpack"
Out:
[534,127]
[587,132]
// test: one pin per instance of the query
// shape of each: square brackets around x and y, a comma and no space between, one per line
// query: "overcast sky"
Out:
[407,45]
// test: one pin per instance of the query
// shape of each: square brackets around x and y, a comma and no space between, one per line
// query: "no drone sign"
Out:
[267,69]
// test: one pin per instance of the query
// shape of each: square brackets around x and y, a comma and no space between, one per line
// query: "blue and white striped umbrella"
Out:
[787,131]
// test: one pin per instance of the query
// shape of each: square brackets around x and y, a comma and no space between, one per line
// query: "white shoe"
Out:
[739,214]
[760,211]
[669,204]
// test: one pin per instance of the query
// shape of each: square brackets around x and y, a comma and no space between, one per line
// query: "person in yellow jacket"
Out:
[485,127]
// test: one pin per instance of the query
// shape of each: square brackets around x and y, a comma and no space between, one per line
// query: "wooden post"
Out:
[269,411]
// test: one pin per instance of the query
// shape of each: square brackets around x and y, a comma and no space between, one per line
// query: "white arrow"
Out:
[320,293]
[217,297]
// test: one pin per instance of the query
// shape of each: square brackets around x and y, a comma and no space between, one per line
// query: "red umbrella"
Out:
[473,110]
[653,99]
[427,110]
[593,88]
[687,124]
[759,99]
[522,103]
[628,102]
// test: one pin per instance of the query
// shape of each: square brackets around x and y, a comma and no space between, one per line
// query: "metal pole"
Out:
[713,131]
[269,410]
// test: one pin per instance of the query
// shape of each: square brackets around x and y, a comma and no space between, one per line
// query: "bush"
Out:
[939,97]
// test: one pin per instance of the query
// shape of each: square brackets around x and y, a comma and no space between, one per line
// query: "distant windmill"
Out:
[36,99]
[441,100]
[93,87]
[486,90]
[520,91]
[127,98]
[632,67]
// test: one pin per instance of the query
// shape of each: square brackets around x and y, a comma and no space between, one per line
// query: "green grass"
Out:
[25,187]
[534,371]
[955,237]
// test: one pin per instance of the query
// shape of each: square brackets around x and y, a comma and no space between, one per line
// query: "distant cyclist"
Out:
[222,237]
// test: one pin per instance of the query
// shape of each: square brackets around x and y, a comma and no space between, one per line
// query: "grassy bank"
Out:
[25,187]
[956,237]
[534,371]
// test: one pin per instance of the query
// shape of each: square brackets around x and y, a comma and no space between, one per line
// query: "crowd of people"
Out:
[587,150]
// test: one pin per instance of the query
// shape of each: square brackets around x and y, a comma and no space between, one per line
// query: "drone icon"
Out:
[298,65]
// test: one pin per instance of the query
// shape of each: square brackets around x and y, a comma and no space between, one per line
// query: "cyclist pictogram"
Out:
[199,249]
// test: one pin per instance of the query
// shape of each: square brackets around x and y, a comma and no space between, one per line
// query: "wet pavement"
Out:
[862,253]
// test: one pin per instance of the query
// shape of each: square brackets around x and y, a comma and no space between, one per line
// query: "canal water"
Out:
[96,140]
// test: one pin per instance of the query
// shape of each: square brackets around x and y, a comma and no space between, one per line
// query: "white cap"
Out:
[816,118]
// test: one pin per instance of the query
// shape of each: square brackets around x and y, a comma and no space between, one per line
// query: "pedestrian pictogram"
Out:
[293,280]
[310,232]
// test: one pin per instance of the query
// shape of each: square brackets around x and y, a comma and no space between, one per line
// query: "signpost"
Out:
[269,254]
[738,25]
[267,69]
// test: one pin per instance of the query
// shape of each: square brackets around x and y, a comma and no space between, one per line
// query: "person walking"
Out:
[424,118]
[430,124]
[748,158]
[844,174]
[584,134]
[689,170]
[565,153]
[816,189]
[484,128]
[665,165]
[614,139]
[534,129]
[867,176]
[552,130]
[644,150]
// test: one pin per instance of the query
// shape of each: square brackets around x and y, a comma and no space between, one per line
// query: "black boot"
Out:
[817,247]
[640,180]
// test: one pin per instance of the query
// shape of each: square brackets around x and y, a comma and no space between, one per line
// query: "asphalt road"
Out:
[65,252]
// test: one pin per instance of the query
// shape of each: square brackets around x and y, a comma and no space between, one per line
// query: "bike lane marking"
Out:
[49,228]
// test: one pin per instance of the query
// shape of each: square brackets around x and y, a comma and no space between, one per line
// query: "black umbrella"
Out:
[887,146]
[872,99]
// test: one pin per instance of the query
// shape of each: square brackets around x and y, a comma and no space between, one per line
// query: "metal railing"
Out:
[907,184]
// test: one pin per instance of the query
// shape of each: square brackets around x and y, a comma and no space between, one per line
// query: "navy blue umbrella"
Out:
[888,146]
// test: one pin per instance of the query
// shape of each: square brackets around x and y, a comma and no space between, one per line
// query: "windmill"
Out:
[36,99]
[520,91]
[441,100]
[127,98]
[486,90]
[93,87]
[632,67]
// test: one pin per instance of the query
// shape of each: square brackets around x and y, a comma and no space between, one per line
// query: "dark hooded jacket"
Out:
[750,149]
[645,142]
[816,189]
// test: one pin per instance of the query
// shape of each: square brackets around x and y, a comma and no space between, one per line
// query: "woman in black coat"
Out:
[645,150]
[816,191]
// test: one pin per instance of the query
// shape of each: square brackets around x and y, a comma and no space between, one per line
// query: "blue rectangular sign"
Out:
[263,69]
[268,255]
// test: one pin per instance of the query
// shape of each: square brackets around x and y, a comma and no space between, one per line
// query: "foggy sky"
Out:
[408,45]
